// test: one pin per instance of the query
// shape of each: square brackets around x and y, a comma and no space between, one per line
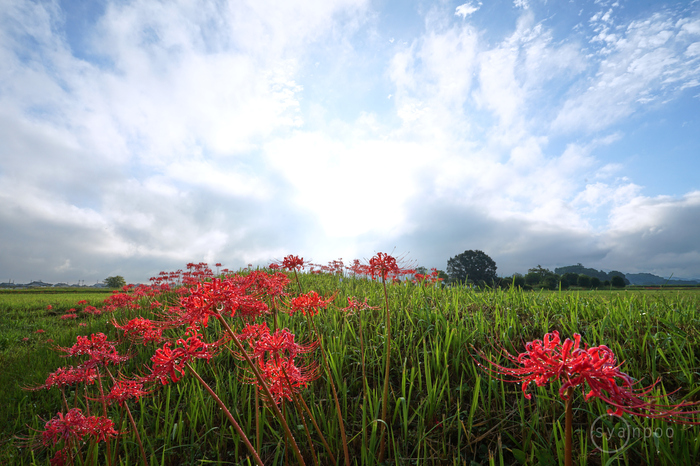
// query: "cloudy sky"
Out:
[138,136]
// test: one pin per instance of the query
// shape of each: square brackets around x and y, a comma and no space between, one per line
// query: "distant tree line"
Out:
[476,268]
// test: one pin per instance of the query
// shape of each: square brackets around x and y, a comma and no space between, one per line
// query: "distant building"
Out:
[37,284]
[61,285]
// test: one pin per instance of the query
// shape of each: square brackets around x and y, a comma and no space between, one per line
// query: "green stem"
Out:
[385,396]
[227,413]
[263,384]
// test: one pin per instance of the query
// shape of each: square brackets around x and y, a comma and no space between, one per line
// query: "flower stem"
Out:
[266,389]
[569,427]
[227,413]
[385,396]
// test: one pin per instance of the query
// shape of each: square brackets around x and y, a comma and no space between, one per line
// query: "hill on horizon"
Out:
[639,279]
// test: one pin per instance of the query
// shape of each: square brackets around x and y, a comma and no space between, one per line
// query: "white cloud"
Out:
[467,9]
[642,64]
[200,132]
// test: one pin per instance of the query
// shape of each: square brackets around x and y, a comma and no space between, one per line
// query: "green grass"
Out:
[443,410]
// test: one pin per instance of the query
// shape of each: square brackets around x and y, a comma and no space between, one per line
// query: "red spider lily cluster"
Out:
[123,390]
[140,329]
[71,429]
[69,376]
[427,279]
[167,362]
[277,361]
[309,303]
[100,350]
[274,354]
[355,306]
[596,367]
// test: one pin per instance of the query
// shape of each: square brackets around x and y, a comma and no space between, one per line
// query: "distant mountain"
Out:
[581,270]
[639,279]
[648,279]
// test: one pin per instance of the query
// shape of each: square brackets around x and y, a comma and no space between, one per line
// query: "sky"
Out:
[139,136]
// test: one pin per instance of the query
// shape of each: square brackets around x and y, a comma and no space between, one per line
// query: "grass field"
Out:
[443,408]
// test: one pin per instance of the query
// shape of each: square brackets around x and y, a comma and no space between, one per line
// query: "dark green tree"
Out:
[584,281]
[537,275]
[472,265]
[115,282]
[615,273]
[563,283]
[533,278]
[617,281]
[571,278]
[518,280]
[551,282]
[595,282]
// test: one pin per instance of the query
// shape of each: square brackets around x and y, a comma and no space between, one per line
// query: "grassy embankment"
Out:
[443,408]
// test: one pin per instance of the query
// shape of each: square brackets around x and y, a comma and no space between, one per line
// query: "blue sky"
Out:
[138,136]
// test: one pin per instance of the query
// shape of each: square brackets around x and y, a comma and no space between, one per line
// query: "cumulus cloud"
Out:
[181,133]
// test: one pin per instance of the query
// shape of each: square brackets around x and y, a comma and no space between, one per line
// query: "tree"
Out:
[551,282]
[472,265]
[595,282]
[584,281]
[615,273]
[571,278]
[537,275]
[518,280]
[115,282]
[617,281]
[532,278]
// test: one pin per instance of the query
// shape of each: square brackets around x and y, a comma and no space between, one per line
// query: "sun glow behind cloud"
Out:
[240,132]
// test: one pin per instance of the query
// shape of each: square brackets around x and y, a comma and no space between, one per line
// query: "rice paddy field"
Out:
[443,406]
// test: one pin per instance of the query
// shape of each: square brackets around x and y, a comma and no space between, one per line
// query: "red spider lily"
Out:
[92,310]
[385,266]
[41,330]
[309,303]
[284,378]
[49,307]
[68,376]
[355,306]
[280,344]
[69,316]
[142,329]
[358,268]
[265,345]
[252,332]
[100,350]
[382,265]
[72,427]
[125,390]
[263,283]
[168,362]
[82,301]
[219,297]
[427,279]
[275,355]
[550,359]
[293,263]
[120,300]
